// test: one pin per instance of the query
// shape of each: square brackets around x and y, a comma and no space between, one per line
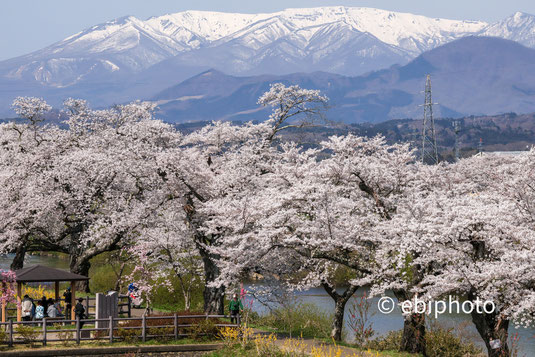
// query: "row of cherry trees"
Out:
[226,200]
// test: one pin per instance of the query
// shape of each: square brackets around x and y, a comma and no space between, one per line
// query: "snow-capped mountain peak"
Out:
[519,27]
[346,40]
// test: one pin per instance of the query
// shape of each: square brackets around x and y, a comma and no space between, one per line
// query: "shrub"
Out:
[65,335]
[203,329]
[444,342]
[3,336]
[359,320]
[389,342]
[130,336]
[440,342]
[37,293]
[161,333]
[298,319]
[28,334]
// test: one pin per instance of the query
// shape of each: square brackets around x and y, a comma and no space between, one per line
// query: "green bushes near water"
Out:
[440,342]
[297,320]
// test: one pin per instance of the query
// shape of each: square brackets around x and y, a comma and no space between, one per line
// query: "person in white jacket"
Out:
[26,308]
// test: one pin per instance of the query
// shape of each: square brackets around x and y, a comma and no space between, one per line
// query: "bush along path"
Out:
[259,343]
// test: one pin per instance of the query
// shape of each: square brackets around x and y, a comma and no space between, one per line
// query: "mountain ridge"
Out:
[460,77]
[128,58]
[117,45]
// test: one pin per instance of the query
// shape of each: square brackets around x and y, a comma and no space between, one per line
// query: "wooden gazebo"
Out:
[42,274]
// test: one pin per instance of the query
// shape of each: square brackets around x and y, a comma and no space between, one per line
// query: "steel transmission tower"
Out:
[429,139]
[457,130]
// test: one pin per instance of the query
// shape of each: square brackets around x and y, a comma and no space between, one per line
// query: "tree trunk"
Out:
[413,338]
[187,301]
[339,308]
[491,328]
[81,266]
[214,297]
[119,277]
[18,260]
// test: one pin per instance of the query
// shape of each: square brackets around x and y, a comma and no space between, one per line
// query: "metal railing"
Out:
[49,331]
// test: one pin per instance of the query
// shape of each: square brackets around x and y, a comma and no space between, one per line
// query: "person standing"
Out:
[235,306]
[44,304]
[26,308]
[68,303]
[79,311]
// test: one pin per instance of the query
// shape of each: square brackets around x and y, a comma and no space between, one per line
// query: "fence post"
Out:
[44,331]
[111,329]
[78,330]
[143,328]
[129,306]
[176,326]
[87,306]
[10,333]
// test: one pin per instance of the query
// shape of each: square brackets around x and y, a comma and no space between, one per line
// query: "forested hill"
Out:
[506,132]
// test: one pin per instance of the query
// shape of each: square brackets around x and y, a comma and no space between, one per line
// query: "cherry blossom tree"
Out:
[223,160]
[317,216]
[468,227]
[83,190]
[167,248]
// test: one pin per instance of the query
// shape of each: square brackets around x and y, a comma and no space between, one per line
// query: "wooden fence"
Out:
[49,331]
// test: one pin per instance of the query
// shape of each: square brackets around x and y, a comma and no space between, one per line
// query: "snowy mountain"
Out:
[129,58]
[520,28]
[250,43]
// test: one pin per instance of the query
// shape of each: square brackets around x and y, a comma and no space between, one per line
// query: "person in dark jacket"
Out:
[44,304]
[235,306]
[79,311]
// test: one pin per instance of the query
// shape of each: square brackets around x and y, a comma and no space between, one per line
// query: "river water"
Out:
[382,323]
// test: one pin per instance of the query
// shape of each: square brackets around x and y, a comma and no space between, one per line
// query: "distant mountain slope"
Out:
[121,59]
[128,58]
[470,76]
[129,45]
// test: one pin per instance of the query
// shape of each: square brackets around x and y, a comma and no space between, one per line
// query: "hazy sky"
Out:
[28,25]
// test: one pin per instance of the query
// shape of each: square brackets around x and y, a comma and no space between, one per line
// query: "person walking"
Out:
[79,311]
[235,306]
[26,308]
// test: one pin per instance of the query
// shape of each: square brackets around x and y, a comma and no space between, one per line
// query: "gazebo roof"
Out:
[39,273]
